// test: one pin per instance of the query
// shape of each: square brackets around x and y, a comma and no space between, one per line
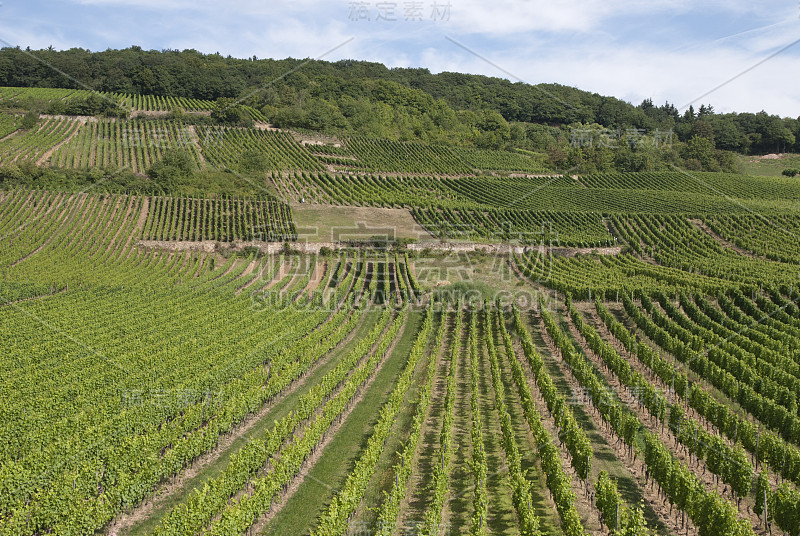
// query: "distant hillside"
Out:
[370,99]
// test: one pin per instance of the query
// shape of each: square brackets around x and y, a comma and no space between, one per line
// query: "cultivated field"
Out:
[462,354]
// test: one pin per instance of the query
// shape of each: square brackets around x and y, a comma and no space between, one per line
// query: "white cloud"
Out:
[503,17]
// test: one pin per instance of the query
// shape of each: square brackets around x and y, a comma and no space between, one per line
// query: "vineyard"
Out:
[654,393]
[31,145]
[225,220]
[722,184]
[406,157]
[482,159]
[134,103]
[557,354]
[545,228]
[134,144]
[224,147]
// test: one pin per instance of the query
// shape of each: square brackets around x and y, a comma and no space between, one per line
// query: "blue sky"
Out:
[674,50]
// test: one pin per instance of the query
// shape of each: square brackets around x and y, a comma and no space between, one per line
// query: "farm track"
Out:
[141,220]
[330,435]
[365,516]
[49,152]
[702,226]
[413,507]
[112,244]
[196,144]
[457,509]
[124,522]
[250,269]
[658,429]
[501,517]
[635,465]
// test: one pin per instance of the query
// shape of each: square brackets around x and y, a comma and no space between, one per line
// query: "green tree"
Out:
[703,129]
[30,120]
[174,166]
[229,112]
[701,149]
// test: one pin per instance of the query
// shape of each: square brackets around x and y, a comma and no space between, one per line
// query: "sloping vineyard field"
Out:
[134,144]
[144,103]
[31,145]
[224,219]
[223,147]
[150,388]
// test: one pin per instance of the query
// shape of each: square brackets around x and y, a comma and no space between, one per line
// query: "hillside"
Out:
[355,98]
[217,322]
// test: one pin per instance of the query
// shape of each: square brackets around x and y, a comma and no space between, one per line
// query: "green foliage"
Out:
[253,160]
[174,166]
[30,120]
[363,98]
[89,103]
[700,149]
[466,292]
[230,113]
[791,172]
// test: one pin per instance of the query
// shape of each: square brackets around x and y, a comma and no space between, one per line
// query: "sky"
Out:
[739,56]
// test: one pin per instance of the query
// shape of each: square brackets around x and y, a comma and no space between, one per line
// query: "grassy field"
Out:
[321,223]
[754,165]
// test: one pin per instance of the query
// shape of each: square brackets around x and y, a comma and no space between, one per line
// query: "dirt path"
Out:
[126,521]
[140,223]
[298,271]
[249,270]
[328,436]
[702,226]
[671,517]
[10,135]
[196,143]
[48,153]
[501,516]
[283,270]
[659,429]
[320,269]
[250,283]
[418,494]
[457,510]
